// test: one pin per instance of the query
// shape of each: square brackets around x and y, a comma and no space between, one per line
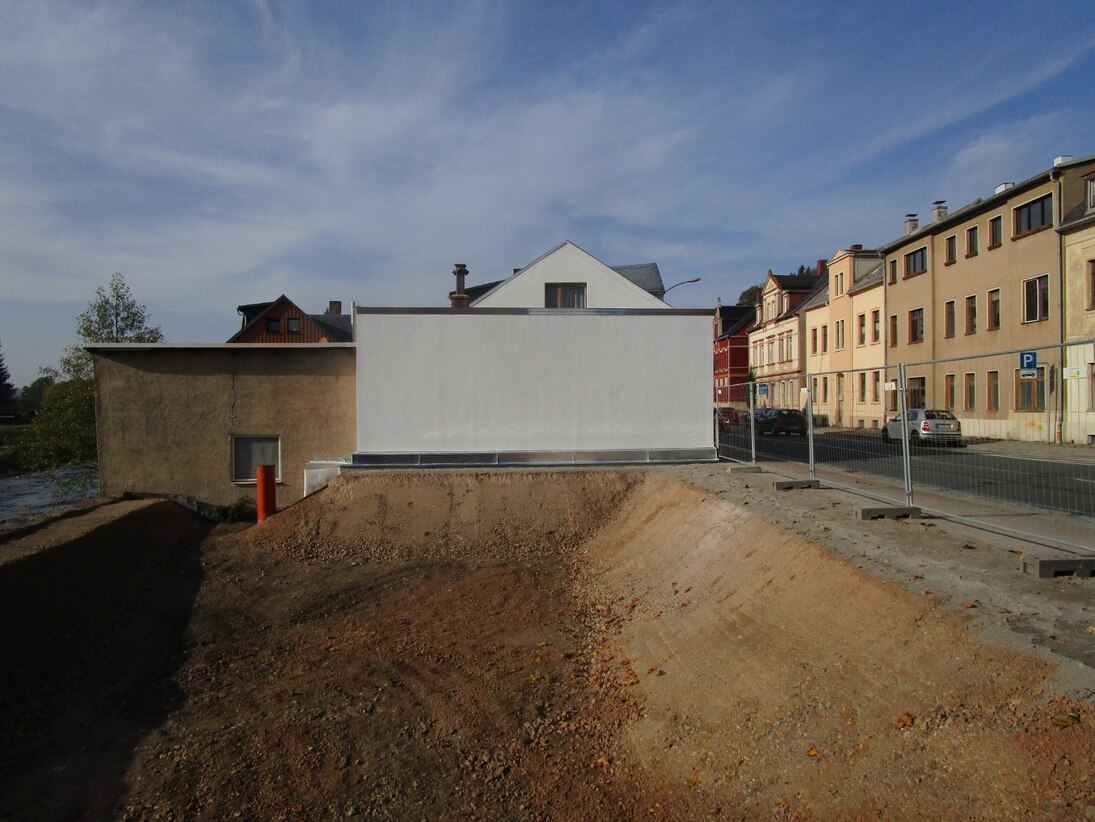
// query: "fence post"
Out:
[810,422]
[903,407]
[752,426]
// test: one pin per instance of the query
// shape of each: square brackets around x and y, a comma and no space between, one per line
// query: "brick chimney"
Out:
[912,223]
[458,299]
[939,210]
[822,267]
[334,308]
[855,247]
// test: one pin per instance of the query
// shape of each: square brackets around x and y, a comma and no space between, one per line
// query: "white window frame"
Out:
[1039,318]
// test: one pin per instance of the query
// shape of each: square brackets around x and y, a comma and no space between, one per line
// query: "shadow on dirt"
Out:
[91,634]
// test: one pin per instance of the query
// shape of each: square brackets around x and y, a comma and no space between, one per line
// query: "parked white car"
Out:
[926,425]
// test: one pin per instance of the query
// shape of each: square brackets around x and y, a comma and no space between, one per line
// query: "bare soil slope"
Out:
[564,645]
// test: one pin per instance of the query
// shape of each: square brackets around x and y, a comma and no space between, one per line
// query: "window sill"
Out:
[949,262]
[1033,231]
[912,274]
[993,328]
[1039,320]
[974,254]
[970,333]
[993,247]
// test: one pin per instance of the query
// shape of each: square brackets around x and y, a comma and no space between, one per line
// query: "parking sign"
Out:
[1028,359]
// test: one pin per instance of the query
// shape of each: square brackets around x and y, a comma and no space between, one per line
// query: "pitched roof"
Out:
[819,295]
[871,278]
[646,276]
[795,282]
[735,318]
[337,327]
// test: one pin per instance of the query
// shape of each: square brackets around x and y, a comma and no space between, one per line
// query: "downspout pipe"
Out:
[1058,433]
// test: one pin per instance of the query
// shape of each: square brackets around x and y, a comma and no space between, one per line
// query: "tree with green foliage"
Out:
[63,432]
[30,398]
[749,296]
[113,316]
[7,390]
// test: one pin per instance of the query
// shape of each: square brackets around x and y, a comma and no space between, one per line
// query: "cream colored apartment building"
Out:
[970,290]
[775,341]
[1078,254]
[842,330]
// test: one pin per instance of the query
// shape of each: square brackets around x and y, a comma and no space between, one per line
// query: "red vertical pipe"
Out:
[266,499]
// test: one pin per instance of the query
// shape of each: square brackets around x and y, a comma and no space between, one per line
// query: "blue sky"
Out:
[224,153]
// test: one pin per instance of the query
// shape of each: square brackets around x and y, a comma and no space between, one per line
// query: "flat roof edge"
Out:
[539,312]
[214,346]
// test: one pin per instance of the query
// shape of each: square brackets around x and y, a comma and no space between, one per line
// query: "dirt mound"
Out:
[777,679]
[512,644]
[415,515]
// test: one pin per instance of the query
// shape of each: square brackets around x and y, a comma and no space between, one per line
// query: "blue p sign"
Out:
[1028,359]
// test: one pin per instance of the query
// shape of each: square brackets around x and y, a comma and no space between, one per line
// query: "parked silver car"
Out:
[926,425]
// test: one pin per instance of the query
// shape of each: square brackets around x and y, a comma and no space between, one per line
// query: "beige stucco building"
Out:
[194,420]
[969,291]
[842,329]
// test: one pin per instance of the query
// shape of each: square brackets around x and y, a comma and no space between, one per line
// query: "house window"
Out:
[1030,395]
[564,295]
[951,249]
[948,318]
[861,325]
[824,338]
[971,242]
[996,232]
[824,389]
[916,262]
[1091,284]
[948,391]
[1036,299]
[1091,194]
[273,325]
[916,391]
[969,388]
[292,325]
[994,309]
[893,331]
[1033,216]
[893,271]
[876,321]
[971,314]
[876,383]
[916,325]
[813,340]
[862,386]
[993,396]
[248,453]
[839,334]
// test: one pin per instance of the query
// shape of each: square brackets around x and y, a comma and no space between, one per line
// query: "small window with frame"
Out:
[249,452]
[273,325]
[564,295]
[292,325]
[972,241]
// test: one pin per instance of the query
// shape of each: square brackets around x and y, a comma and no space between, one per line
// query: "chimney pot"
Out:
[855,247]
[939,210]
[458,299]
[334,307]
[822,267]
[1003,187]
[912,223]
[1060,161]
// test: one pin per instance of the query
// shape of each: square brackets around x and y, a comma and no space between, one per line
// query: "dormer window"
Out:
[1091,194]
[292,325]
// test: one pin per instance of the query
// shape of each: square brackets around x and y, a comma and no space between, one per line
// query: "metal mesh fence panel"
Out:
[1003,440]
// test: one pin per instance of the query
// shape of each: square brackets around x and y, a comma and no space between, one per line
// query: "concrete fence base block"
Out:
[788,485]
[743,469]
[1050,568]
[890,512]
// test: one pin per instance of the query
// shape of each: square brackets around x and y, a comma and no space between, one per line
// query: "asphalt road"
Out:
[1058,485]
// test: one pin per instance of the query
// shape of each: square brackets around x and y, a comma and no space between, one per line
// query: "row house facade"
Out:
[842,332]
[1078,255]
[987,279]
[730,361]
[776,352]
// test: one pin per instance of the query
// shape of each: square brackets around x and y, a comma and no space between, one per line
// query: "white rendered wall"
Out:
[481,381]
[569,264]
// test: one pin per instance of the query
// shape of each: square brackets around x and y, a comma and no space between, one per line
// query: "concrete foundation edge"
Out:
[532,458]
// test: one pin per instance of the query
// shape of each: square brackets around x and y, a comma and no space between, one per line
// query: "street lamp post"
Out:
[682,282]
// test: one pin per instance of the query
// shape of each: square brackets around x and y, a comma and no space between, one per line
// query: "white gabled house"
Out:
[569,277]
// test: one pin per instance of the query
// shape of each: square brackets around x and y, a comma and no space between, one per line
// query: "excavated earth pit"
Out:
[519,644]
